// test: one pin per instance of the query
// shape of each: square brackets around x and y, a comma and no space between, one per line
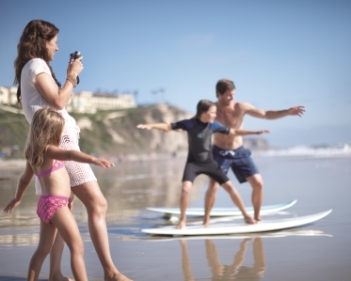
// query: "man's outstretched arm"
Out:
[273,114]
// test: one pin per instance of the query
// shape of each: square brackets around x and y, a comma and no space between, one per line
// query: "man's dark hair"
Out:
[223,85]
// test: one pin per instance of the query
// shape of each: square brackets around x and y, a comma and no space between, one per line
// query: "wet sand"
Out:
[319,251]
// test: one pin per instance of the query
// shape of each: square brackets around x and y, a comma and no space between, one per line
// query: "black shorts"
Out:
[239,160]
[211,169]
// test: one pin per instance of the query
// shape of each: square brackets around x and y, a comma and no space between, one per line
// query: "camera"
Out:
[73,57]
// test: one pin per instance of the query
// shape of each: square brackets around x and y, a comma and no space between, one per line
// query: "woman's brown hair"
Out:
[32,45]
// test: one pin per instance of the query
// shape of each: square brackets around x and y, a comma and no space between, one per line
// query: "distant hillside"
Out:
[13,134]
[113,132]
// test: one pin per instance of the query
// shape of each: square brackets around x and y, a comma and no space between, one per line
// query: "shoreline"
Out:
[12,163]
[11,168]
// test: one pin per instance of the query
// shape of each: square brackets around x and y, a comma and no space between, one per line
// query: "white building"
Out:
[82,102]
[88,102]
[8,96]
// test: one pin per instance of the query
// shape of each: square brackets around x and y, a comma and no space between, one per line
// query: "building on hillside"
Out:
[88,102]
[82,102]
[8,95]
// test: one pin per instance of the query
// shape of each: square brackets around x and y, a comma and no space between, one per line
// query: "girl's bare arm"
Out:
[21,188]
[55,152]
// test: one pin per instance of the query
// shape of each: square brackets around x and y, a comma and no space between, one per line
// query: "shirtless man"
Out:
[228,150]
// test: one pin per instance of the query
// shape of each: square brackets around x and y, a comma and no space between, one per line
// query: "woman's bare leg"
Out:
[46,241]
[95,202]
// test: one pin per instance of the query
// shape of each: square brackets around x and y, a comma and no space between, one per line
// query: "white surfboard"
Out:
[222,212]
[235,227]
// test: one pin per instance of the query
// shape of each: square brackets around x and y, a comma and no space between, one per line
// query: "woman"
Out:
[38,87]
[200,159]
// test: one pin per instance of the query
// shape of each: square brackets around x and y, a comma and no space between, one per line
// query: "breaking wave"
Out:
[339,150]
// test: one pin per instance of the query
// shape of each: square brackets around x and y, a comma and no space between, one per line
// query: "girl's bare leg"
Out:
[55,260]
[95,202]
[56,255]
[67,227]
[46,241]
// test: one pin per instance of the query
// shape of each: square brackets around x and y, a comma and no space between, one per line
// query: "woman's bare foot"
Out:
[117,277]
[258,218]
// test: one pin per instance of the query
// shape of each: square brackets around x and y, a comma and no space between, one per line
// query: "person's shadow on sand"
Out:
[228,272]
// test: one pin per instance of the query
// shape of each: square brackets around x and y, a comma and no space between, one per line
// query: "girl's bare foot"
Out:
[59,277]
[117,277]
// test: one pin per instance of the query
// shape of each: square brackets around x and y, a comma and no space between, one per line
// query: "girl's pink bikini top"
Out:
[58,164]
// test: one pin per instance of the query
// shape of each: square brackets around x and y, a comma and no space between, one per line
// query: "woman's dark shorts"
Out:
[239,160]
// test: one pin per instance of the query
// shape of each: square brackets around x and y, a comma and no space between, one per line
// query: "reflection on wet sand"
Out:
[229,272]
[128,188]
[134,187]
[28,237]
[18,240]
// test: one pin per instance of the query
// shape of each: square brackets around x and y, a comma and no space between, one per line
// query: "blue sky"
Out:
[278,53]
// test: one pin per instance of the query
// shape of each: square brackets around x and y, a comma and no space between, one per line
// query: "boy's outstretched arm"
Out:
[21,188]
[246,132]
[165,127]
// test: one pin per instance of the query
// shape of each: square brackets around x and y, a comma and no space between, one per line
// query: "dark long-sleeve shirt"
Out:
[200,137]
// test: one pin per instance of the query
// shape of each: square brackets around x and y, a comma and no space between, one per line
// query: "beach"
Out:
[318,251]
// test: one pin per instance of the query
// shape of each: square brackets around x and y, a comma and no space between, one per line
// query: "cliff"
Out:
[113,133]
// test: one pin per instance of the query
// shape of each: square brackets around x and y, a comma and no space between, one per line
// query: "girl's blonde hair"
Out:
[46,129]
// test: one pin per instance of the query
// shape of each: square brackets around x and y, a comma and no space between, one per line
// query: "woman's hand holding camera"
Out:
[75,67]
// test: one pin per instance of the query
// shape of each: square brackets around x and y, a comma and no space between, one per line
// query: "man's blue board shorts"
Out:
[239,160]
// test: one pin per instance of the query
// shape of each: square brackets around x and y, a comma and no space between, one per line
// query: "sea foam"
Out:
[338,150]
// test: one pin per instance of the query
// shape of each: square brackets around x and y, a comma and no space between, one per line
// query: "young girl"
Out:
[46,160]
[200,159]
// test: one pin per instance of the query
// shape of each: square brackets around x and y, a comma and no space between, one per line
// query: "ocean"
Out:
[319,178]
